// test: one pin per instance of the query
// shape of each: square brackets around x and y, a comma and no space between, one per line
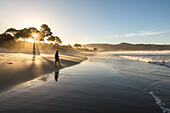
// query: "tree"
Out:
[77,45]
[6,37]
[58,40]
[11,31]
[94,49]
[31,31]
[46,31]
[41,39]
[51,38]
[70,47]
[27,33]
[55,39]
[23,33]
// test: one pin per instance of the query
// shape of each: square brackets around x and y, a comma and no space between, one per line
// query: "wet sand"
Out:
[89,87]
[17,68]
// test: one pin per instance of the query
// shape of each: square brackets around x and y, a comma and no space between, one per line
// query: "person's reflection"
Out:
[56,75]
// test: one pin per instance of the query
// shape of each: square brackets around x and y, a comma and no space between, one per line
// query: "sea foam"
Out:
[160,103]
[154,57]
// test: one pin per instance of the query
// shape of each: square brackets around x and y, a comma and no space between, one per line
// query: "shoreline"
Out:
[39,67]
[88,87]
[17,68]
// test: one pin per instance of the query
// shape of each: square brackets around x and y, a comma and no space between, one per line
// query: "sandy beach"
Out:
[17,68]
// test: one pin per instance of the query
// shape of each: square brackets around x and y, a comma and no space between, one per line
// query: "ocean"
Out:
[149,70]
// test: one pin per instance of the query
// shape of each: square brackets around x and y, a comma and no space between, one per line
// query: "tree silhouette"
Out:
[27,33]
[46,31]
[41,38]
[6,37]
[55,39]
[51,38]
[77,45]
[33,30]
[23,33]
[13,34]
[11,31]
[58,40]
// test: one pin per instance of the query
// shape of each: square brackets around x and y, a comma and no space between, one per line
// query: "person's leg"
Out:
[55,63]
[59,62]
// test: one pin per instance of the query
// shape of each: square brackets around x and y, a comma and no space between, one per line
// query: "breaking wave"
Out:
[154,57]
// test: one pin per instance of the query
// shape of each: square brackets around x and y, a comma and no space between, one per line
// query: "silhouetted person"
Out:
[56,75]
[57,58]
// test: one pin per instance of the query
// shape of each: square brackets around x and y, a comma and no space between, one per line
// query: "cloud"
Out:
[141,33]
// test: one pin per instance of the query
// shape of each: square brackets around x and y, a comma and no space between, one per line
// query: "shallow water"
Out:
[155,79]
[98,85]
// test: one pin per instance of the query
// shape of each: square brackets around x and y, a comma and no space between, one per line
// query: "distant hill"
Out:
[127,46]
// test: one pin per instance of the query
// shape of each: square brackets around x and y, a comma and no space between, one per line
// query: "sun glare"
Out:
[35,35]
[30,40]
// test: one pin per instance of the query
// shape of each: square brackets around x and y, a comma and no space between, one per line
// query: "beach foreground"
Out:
[89,87]
[17,68]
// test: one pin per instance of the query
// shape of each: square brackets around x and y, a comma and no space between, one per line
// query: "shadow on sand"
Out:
[17,73]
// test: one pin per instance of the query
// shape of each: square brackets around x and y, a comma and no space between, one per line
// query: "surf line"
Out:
[160,103]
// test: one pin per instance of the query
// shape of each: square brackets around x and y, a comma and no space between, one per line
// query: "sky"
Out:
[92,21]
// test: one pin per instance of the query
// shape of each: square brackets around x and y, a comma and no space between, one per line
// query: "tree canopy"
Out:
[54,39]
[45,31]
[77,45]
[6,37]
[11,31]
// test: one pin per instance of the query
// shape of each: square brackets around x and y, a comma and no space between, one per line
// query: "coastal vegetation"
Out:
[23,38]
[126,47]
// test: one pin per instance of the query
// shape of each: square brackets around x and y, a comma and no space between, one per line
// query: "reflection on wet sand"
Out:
[87,87]
[56,75]
[45,78]
[14,66]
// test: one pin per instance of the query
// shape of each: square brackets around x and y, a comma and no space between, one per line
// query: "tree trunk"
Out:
[34,47]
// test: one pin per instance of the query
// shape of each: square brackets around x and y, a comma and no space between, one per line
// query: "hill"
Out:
[127,46]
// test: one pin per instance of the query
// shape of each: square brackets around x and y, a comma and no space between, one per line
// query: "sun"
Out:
[30,40]
[34,35]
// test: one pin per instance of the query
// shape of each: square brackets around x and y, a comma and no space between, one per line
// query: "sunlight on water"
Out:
[155,57]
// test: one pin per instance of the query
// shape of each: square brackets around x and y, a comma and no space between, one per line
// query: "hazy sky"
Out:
[92,21]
